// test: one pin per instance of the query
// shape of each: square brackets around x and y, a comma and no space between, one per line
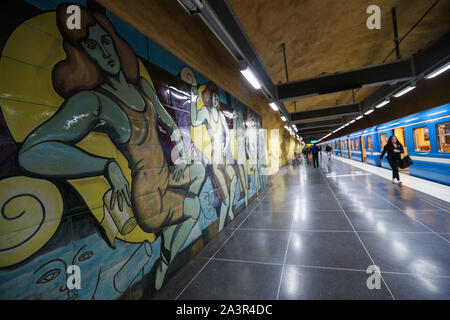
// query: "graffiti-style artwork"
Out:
[206,111]
[109,162]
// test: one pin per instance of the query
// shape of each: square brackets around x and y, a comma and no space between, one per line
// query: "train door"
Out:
[383,140]
[363,148]
[349,148]
[400,134]
[384,137]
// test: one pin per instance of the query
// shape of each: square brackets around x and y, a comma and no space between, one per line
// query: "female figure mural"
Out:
[252,147]
[217,127]
[239,133]
[261,150]
[104,92]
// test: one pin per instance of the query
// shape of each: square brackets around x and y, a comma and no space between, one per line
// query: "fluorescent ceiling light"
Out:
[274,106]
[382,104]
[437,72]
[434,113]
[283,118]
[368,111]
[404,91]
[352,121]
[248,74]
[359,117]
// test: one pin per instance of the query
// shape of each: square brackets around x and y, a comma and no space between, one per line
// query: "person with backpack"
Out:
[393,149]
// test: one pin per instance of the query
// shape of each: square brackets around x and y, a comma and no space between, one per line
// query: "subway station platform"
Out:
[313,235]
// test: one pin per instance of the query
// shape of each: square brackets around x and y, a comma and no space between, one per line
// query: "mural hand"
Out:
[179,170]
[127,196]
[119,185]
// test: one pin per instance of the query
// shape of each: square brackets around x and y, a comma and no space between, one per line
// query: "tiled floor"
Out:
[314,233]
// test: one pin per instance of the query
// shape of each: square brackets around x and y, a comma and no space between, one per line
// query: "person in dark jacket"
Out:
[328,150]
[315,153]
[393,149]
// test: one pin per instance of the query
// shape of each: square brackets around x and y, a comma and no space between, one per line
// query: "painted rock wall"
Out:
[118,162]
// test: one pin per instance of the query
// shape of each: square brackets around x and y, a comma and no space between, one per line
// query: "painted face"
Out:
[53,277]
[215,100]
[100,48]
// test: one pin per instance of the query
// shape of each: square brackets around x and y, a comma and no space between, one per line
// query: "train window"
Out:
[422,139]
[369,143]
[356,143]
[383,140]
[353,144]
[443,134]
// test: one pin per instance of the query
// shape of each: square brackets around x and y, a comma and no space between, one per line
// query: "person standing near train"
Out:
[393,149]
[328,150]
[315,153]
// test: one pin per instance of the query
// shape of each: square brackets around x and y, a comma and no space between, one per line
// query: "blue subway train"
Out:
[425,137]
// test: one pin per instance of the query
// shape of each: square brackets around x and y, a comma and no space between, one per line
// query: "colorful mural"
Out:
[111,161]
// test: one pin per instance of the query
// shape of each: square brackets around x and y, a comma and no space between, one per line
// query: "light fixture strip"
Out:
[382,104]
[404,91]
[437,72]
[250,76]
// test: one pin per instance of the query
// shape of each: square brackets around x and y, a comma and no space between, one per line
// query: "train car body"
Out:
[425,137]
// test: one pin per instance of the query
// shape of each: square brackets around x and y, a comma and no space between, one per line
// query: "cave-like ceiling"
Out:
[327,36]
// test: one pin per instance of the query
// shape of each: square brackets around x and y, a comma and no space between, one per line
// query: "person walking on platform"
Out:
[393,149]
[315,153]
[295,161]
[328,151]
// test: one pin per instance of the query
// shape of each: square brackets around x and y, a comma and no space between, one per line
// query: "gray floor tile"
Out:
[300,283]
[418,287]
[327,249]
[256,245]
[321,220]
[423,253]
[381,221]
[228,280]
[268,221]
[436,220]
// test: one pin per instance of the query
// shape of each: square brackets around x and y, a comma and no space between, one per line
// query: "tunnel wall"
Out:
[60,208]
